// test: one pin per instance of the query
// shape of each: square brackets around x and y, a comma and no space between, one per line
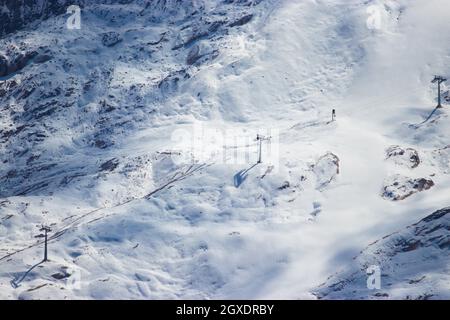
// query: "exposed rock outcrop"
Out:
[413,265]
[110,39]
[398,187]
[200,54]
[326,169]
[16,14]
[110,165]
[15,59]
[242,21]
[408,157]
[47,84]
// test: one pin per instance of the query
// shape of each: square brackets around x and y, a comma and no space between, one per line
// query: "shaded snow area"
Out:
[136,140]
[415,260]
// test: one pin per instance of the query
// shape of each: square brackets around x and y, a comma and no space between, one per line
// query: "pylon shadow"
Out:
[15,283]
[242,175]
[428,118]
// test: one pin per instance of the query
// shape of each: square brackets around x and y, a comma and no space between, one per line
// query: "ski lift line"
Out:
[136,155]
[178,176]
[72,224]
[175,178]
[368,102]
[376,102]
[192,169]
[371,103]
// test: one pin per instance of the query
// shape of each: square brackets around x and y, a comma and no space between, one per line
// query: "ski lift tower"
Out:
[439,80]
[260,139]
[46,230]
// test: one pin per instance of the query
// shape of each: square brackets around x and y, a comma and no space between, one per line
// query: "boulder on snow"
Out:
[15,61]
[170,82]
[11,65]
[3,66]
[110,165]
[200,53]
[193,55]
[326,169]
[244,20]
[446,96]
[62,274]
[399,187]
[42,58]
[110,39]
[20,61]
[408,157]
[189,36]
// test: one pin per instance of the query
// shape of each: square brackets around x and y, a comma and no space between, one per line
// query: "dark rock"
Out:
[215,26]
[408,245]
[423,184]
[101,144]
[436,215]
[110,39]
[193,55]
[161,39]
[63,274]
[18,61]
[32,159]
[42,58]
[170,83]
[242,21]
[413,253]
[196,35]
[110,165]
[3,66]
[446,96]
[18,13]
[326,169]
[199,55]
[285,185]
[400,187]
[407,157]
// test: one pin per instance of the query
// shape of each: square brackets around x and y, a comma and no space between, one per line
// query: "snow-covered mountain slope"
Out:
[415,264]
[94,141]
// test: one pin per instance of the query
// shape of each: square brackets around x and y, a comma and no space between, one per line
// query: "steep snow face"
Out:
[21,13]
[92,119]
[415,264]
[16,14]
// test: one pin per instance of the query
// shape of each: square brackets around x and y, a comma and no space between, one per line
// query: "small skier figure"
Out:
[333,115]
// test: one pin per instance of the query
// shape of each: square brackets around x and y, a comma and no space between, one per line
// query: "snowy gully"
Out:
[232,309]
